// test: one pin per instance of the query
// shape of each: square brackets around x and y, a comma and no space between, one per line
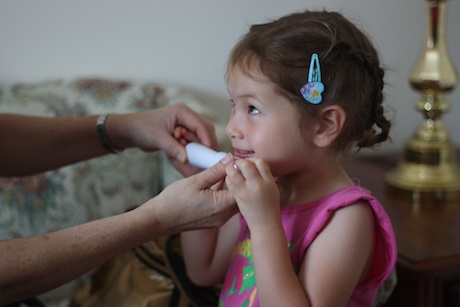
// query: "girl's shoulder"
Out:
[359,207]
[335,200]
[363,211]
[354,198]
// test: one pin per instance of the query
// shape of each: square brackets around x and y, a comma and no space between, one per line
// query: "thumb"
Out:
[173,148]
[213,175]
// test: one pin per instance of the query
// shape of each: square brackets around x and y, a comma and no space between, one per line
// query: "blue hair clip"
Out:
[313,89]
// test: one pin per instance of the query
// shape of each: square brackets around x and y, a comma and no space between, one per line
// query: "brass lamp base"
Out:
[428,174]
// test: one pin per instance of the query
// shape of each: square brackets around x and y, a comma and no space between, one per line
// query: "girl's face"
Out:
[264,124]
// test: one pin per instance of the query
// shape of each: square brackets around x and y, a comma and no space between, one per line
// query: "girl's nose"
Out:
[232,130]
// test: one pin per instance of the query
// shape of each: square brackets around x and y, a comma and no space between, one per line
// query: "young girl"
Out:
[307,93]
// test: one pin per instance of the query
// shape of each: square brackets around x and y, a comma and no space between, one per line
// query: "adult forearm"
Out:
[30,145]
[35,265]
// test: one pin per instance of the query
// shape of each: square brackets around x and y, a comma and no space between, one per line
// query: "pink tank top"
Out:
[302,224]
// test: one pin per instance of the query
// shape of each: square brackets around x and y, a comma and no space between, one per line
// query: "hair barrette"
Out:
[314,88]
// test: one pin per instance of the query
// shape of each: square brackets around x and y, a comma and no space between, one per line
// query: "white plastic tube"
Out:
[201,156]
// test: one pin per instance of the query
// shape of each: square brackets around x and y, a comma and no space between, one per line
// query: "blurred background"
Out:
[187,43]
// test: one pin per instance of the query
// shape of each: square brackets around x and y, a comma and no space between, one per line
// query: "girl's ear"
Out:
[329,125]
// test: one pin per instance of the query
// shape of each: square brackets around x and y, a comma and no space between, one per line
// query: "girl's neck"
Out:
[307,186]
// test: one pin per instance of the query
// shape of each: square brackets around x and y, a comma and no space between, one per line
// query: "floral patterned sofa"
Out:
[96,188]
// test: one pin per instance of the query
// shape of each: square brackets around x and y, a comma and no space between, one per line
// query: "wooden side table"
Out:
[427,235]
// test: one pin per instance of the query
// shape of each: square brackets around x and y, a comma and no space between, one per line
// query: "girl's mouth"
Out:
[243,154]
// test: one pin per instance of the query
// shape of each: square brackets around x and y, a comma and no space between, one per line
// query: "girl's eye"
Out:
[253,110]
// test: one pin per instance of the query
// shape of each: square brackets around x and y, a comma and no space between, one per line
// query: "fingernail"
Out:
[181,158]
[227,159]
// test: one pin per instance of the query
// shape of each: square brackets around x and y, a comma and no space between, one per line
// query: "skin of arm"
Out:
[66,254]
[335,262]
[207,252]
[30,145]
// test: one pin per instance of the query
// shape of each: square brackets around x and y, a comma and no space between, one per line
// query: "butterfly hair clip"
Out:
[314,88]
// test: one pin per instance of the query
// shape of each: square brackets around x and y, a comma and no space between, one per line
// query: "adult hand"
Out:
[184,136]
[56,142]
[153,130]
[184,205]
[190,203]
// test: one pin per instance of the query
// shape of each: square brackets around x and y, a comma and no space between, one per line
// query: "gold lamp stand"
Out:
[429,172]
